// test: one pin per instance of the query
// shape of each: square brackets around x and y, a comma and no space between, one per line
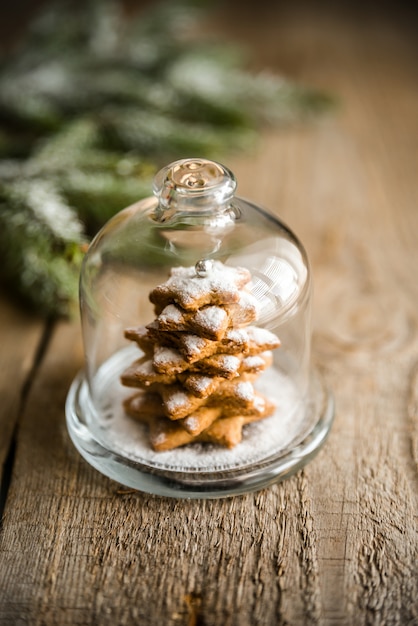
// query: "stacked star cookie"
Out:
[201,356]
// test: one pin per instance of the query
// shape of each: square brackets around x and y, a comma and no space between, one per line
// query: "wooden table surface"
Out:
[337,542]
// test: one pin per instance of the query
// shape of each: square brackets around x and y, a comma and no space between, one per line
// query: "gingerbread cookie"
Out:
[245,311]
[198,421]
[193,347]
[143,374]
[210,321]
[191,291]
[170,361]
[204,425]
[202,355]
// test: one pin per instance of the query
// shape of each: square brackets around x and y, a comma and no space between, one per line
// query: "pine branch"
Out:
[93,105]
[41,244]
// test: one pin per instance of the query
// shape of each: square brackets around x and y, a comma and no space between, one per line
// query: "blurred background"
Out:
[95,96]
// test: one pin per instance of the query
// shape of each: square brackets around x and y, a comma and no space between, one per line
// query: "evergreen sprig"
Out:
[91,106]
[41,241]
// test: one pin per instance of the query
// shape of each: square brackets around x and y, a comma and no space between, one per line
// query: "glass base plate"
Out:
[271,449]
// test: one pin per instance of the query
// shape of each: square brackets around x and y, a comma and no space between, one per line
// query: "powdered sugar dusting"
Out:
[191,291]
[193,345]
[212,317]
[244,390]
[192,422]
[229,362]
[167,357]
[200,384]
[253,362]
[160,438]
[259,404]
[290,423]
[171,314]
[245,311]
[262,336]
[175,400]
[236,335]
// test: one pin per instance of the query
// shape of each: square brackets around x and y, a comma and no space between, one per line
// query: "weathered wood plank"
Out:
[21,337]
[361,197]
[337,543]
[73,540]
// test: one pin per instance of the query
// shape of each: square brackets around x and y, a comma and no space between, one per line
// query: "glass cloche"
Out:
[195,310]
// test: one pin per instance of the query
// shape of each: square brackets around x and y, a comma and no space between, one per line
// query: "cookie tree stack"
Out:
[201,356]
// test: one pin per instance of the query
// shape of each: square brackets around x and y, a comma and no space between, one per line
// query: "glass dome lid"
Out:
[195,311]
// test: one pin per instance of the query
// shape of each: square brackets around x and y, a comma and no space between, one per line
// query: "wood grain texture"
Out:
[21,342]
[337,543]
